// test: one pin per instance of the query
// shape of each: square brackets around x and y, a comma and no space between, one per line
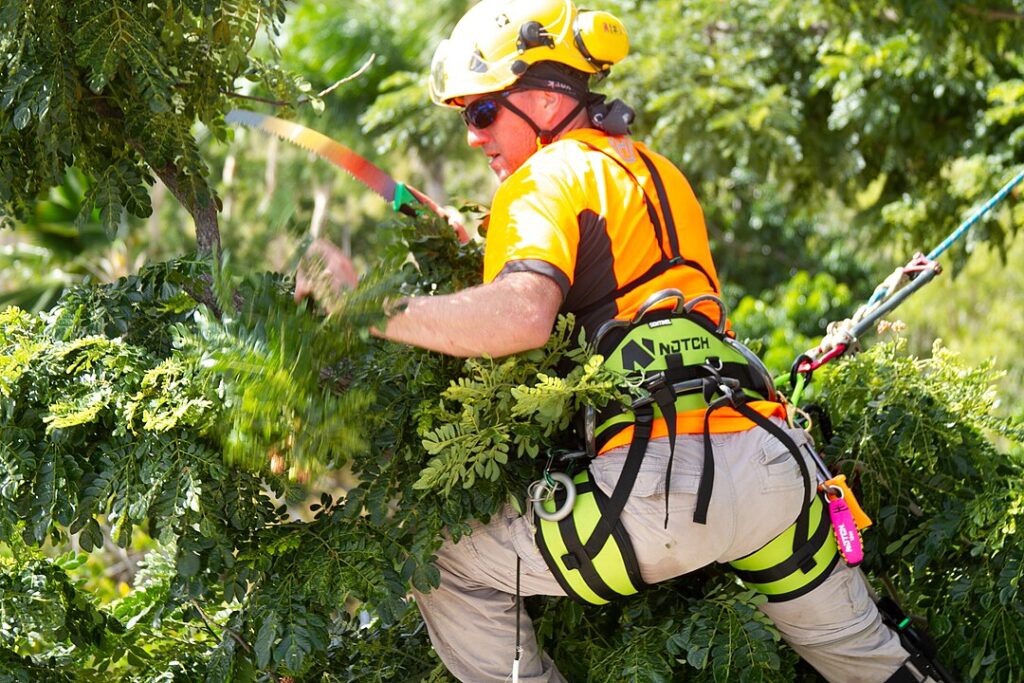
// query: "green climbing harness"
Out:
[682,361]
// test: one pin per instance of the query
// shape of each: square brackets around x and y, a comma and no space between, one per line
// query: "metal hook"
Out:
[539,492]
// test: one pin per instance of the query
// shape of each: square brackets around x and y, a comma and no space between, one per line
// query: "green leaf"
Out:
[265,639]
[22,116]
[187,564]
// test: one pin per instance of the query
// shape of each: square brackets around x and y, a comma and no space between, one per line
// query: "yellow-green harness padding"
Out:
[678,347]
[683,364]
[775,570]
[613,572]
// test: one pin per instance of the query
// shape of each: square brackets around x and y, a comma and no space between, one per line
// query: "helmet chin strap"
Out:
[545,137]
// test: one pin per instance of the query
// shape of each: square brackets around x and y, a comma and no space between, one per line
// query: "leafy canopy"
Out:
[114,88]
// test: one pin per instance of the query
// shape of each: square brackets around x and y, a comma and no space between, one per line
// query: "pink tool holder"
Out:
[851,547]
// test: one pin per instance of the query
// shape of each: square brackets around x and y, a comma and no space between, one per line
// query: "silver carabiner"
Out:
[722,315]
[540,492]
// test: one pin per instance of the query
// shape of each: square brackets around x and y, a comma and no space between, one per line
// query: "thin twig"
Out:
[305,98]
[359,72]
[209,627]
[255,98]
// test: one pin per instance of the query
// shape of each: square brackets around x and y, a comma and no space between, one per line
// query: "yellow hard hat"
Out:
[494,44]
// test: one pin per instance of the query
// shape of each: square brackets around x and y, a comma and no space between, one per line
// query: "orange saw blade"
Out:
[366,172]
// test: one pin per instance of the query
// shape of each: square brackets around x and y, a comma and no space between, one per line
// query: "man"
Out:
[586,221]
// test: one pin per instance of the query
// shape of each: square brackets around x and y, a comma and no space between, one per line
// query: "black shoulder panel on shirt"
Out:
[594,278]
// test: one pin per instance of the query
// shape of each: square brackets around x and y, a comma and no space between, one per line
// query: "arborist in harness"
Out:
[702,467]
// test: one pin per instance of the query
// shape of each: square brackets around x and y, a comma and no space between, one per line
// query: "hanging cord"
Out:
[519,614]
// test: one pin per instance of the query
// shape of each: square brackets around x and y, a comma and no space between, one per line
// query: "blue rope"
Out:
[969,223]
[881,292]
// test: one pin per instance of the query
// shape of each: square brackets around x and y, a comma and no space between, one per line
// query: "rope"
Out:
[842,335]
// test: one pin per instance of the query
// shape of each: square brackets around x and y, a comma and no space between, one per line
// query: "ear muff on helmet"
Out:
[497,41]
[601,38]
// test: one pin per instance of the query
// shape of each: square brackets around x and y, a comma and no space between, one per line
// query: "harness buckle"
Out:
[714,384]
[660,388]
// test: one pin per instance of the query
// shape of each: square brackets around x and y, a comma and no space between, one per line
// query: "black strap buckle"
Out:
[660,389]
[726,388]
[571,561]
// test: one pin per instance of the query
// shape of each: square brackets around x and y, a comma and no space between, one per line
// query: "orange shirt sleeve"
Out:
[533,224]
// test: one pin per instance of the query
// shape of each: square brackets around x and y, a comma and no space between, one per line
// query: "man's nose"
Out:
[475,137]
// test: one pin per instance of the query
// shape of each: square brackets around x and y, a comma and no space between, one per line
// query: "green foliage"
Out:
[791,319]
[975,312]
[916,436]
[515,405]
[107,427]
[130,405]
[808,129]
[113,88]
[697,628]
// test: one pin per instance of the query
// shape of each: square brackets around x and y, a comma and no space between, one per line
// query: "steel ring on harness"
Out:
[658,297]
[540,491]
[692,303]
[833,492]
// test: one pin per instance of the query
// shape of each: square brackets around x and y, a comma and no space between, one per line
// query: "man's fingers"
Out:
[323,272]
[302,289]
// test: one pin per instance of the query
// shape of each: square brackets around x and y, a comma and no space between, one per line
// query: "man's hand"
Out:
[324,272]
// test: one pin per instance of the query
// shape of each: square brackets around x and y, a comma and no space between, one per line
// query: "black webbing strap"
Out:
[670,223]
[576,556]
[737,371]
[652,213]
[663,394]
[707,477]
[665,263]
[803,519]
[707,473]
[627,477]
[619,534]
[902,675]
[654,271]
[792,563]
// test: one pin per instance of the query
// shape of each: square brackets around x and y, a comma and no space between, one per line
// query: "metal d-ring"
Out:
[540,491]
[834,490]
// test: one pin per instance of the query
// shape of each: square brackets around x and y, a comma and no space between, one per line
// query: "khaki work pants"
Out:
[758,489]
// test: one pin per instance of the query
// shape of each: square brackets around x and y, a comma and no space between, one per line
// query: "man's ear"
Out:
[550,107]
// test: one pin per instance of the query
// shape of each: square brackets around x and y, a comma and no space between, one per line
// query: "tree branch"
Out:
[302,100]
[209,627]
[991,14]
[205,217]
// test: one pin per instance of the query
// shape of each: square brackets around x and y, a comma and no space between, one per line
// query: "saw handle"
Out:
[405,194]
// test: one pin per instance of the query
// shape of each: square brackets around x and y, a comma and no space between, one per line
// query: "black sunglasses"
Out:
[481,113]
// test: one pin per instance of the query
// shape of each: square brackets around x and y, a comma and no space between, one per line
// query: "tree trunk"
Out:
[205,216]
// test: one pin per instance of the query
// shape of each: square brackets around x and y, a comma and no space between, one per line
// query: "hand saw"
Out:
[402,197]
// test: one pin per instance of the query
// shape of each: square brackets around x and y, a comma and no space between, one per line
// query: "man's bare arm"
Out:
[512,314]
